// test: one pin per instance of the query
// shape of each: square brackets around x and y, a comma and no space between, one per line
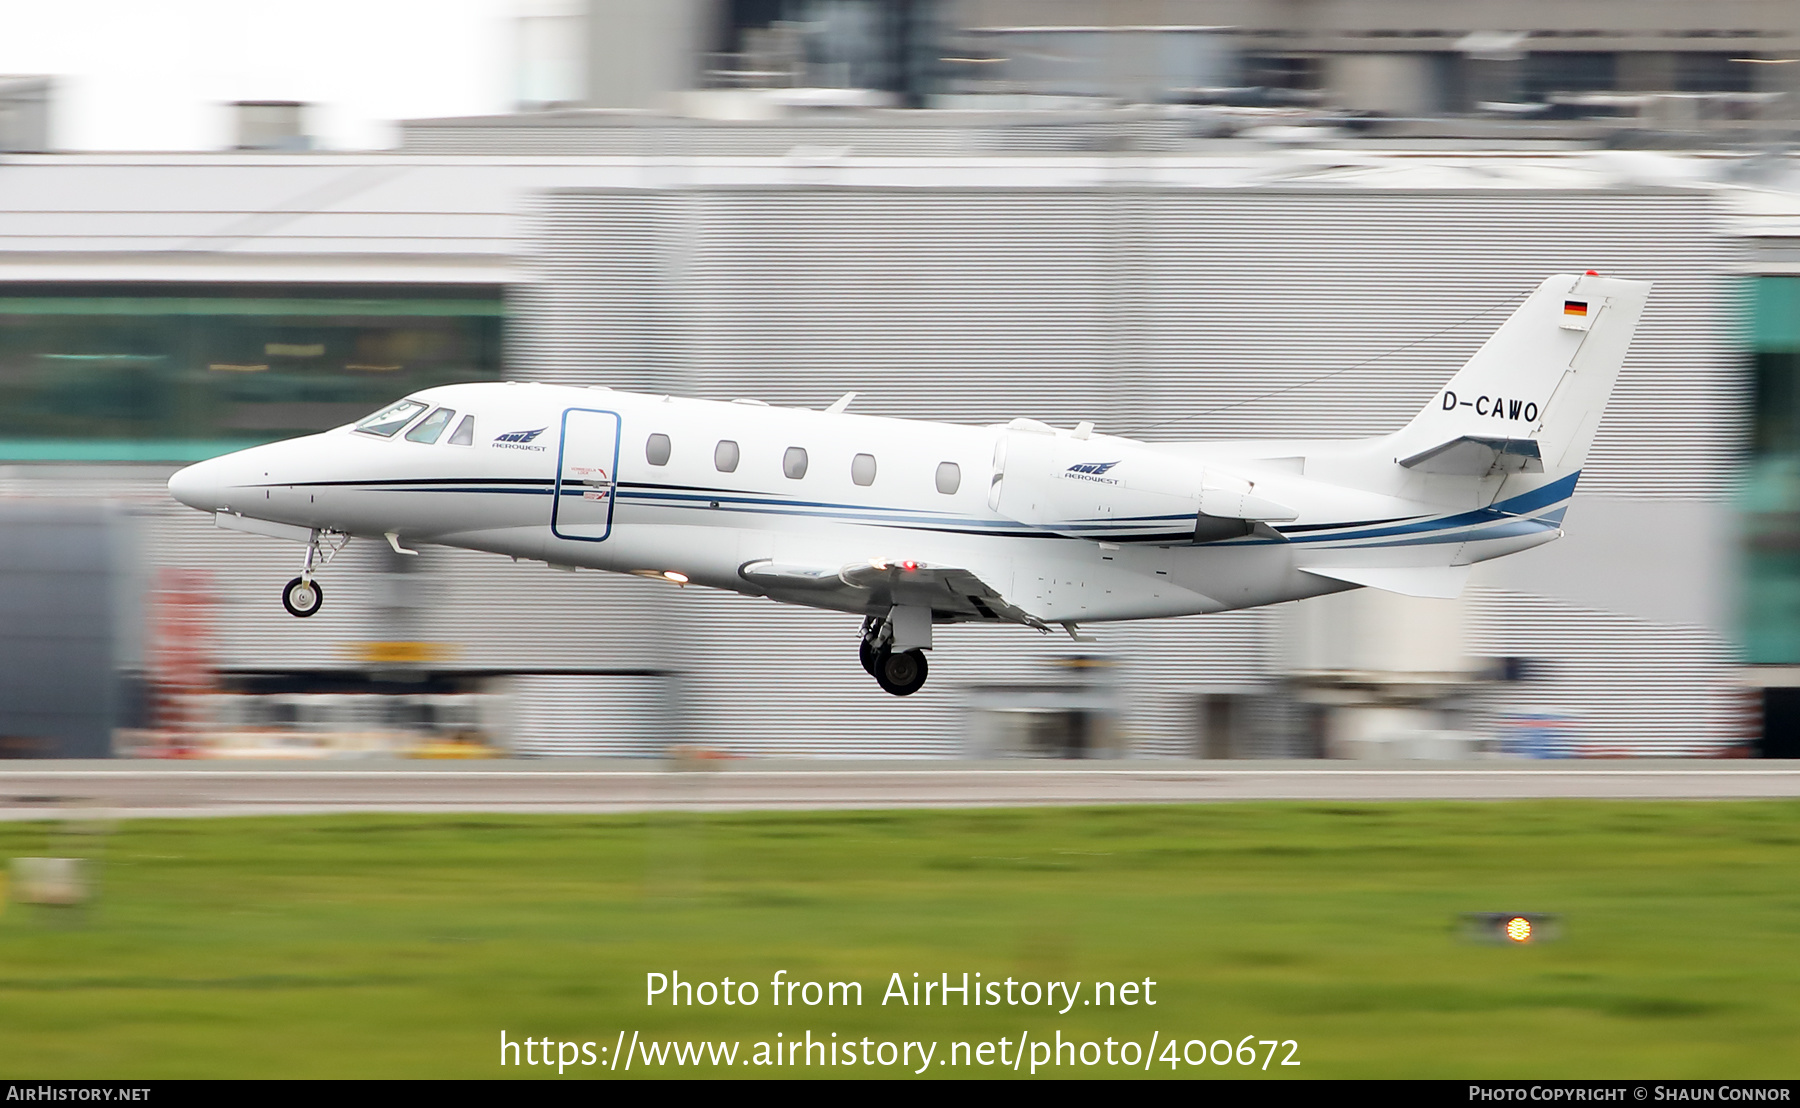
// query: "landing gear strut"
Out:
[867,650]
[900,672]
[302,596]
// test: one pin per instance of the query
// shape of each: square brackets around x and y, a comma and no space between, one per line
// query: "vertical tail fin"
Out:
[1530,399]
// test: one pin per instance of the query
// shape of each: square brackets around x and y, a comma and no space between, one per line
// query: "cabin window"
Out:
[464,435]
[725,456]
[949,477]
[391,418]
[793,463]
[431,427]
[862,469]
[656,450]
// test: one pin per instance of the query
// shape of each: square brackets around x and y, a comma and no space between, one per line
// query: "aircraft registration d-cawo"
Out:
[913,524]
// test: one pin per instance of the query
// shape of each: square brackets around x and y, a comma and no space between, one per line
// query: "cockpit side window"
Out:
[431,426]
[465,432]
[391,418]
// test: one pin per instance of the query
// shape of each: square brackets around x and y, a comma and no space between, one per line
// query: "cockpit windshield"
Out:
[391,418]
[431,426]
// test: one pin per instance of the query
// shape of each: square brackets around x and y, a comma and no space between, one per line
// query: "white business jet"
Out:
[913,524]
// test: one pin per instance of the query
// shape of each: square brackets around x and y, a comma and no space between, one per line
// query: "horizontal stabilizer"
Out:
[1442,582]
[1469,456]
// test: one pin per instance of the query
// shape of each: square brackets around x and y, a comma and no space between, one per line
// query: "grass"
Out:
[401,946]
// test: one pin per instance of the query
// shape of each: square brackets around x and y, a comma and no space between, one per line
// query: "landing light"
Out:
[678,578]
[1518,929]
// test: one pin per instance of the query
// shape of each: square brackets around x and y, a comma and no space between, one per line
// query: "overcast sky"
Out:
[157,74]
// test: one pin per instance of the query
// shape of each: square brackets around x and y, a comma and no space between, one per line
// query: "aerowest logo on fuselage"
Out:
[1091,471]
[1496,407]
[519,440]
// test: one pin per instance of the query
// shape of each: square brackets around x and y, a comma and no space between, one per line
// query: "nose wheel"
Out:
[902,672]
[302,597]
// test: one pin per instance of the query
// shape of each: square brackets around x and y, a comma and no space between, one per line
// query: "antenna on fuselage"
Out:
[840,403]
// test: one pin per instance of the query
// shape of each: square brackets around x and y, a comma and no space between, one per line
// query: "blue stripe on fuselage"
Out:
[1460,527]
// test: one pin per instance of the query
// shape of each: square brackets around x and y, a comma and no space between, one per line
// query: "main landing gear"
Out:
[900,672]
[302,596]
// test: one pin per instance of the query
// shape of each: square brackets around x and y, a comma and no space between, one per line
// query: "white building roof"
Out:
[415,218]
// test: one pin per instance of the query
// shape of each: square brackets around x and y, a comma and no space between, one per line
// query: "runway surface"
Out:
[121,789]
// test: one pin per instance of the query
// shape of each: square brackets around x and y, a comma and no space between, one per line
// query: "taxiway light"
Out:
[1512,928]
[678,578]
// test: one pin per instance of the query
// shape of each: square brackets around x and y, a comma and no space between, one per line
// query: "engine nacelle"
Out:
[1101,487]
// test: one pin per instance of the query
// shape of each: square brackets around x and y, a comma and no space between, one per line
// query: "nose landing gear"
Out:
[900,672]
[302,596]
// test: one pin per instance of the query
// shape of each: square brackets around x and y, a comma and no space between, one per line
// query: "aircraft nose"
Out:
[201,485]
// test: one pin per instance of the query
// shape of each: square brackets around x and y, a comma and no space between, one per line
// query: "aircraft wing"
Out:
[882,582]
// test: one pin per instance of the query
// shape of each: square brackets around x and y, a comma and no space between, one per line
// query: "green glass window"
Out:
[1769,496]
[178,372]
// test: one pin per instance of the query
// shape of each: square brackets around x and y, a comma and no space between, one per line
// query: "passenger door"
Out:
[587,465]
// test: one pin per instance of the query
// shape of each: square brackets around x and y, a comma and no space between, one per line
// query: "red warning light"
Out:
[1593,273]
[1518,929]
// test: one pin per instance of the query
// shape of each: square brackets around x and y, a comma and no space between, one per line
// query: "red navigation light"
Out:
[909,565]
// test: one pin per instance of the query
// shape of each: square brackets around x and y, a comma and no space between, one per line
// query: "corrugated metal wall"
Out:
[1170,313]
[590,715]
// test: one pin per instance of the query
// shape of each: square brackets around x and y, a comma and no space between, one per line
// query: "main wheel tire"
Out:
[901,674]
[302,598]
[866,653]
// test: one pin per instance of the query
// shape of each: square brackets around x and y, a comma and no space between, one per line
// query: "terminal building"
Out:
[157,309]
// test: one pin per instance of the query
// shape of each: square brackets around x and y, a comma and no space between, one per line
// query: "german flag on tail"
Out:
[1575,307]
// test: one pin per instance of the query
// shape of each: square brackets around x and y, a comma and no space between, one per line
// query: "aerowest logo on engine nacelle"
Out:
[1496,407]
